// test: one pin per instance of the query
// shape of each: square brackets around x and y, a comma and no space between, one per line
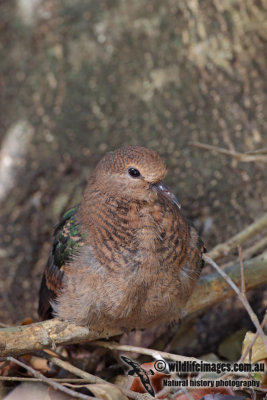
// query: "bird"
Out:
[125,257]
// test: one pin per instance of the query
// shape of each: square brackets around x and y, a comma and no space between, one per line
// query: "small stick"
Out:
[75,371]
[243,283]
[241,157]
[142,350]
[150,352]
[249,348]
[187,393]
[60,380]
[252,250]
[50,382]
[91,378]
[241,297]
[223,249]
[249,252]
[260,151]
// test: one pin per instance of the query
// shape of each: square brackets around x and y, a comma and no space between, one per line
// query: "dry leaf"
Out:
[27,321]
[155,379]
[258,350]
[106,391]
[40,364]
[36,391]
[230,347]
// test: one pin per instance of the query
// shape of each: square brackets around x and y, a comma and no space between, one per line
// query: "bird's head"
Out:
[133,172]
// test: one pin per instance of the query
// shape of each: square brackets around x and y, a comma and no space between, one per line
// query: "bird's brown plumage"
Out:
[137,260]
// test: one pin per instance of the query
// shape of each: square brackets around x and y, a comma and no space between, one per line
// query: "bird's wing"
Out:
[199,244]
[67,238]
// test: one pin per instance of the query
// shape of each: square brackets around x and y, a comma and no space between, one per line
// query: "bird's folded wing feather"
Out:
[67,238]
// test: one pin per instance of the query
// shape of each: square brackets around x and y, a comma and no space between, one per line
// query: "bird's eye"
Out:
[133,172]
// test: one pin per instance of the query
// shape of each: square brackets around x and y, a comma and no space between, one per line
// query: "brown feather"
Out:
[140,260]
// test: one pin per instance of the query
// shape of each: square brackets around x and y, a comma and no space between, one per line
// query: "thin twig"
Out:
[60,380]
[249,252]
[163,392]
[255,248]
[2,325]
[174,395]
[186,392]
[50,382]
[242,298]
[223,249]
[142,350]
[215,289]
[150,352]
[260,151]
[243,283]
[91,378]
[241,157]
[75,370]
[249,347]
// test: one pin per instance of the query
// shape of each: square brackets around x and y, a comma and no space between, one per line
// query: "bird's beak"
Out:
[160,187]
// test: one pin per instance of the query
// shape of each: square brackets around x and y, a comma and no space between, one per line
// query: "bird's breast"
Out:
[123,235]
[137,261]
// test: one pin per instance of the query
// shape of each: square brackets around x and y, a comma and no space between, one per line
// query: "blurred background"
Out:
[82,77]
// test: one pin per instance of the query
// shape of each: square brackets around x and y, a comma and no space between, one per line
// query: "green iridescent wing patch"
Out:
[67,237]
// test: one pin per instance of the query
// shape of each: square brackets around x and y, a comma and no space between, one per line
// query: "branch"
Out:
[44,335]
[241,297]
[224,248]
[92,378]
[249,347]
[256,248]
[211,290]
[60,380]
[50,382]
[243,282]
[252,156]
[156,354]
[143,350]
